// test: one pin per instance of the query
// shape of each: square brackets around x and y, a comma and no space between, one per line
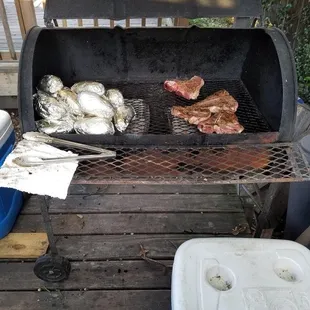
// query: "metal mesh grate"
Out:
[160,102]
[197,165]
[141,122]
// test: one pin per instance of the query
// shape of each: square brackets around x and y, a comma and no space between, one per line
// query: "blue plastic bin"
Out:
[11,200]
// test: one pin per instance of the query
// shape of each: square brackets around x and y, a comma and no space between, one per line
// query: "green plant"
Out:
[212,22]
[293,17]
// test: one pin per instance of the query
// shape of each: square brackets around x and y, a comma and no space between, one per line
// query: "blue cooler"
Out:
[11,200]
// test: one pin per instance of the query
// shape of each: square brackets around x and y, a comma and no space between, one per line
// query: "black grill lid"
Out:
[121,9]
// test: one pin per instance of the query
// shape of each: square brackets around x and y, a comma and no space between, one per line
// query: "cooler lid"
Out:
[121,9]
[6,127]
[241,273]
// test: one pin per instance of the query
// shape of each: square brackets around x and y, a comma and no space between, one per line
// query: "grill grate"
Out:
[141,122]
[160,102]
[197,165]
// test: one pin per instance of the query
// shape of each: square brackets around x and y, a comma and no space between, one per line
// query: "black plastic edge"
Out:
[26,112]
[121,9]
[289,82]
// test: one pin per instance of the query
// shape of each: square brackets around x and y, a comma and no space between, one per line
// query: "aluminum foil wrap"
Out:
[115,97]
[49,126]
[70,101]
[50,84]
[48,107]
[123,116]
[94,126]
[94,87]
[94,105]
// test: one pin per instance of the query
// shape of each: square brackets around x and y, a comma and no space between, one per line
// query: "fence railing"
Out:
[18,16]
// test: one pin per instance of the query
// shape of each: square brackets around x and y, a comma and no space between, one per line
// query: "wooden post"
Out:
[26,15]
[181,22]
[143,22]
[7,30]
[127,22]
[96,22]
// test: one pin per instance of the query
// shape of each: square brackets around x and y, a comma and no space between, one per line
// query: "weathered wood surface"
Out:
[90,275]
[23,245]
[8,78]
[77,189]
[136,203]
[126,246]
[81,300]
[72,224]
[101,234]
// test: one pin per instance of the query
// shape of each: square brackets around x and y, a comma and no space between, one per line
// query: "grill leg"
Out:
[51,267]
[48,226]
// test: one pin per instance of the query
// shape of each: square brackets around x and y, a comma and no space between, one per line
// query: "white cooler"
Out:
[238,273]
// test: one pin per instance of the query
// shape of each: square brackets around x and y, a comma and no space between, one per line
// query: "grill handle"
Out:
[121,9]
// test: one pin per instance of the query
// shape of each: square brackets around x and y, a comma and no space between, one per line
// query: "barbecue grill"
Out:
[255,65]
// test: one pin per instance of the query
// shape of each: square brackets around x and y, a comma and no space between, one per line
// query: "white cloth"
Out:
[49,179]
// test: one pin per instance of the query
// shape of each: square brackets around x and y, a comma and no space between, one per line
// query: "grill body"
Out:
[255,65]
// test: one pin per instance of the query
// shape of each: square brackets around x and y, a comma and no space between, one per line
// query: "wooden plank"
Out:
[89,275]
[151,189]
[23,245]
[143,22]
[20,18]
[8,78]
[181,22]
[127,22]
[81,300]
[103,247]
[8,84]
[80,22]
[136,203]
[72,224]
[159,22]
[9,67]
[28,14]
[7,57]
[96,22]
[64,23]
[111,23]
[7,30]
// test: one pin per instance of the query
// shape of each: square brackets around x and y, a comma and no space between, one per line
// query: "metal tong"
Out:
[28,161]
[41,137]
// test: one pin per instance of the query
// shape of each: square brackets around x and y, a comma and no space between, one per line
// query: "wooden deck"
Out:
[101,229]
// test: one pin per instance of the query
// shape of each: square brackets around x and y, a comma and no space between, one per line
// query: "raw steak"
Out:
[221,122]
[188,89]
[219,101]
[216,114]
[191,116]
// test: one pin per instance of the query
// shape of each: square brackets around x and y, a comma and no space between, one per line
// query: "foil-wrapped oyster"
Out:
[94,105]
[123,116]
[49,126]
[115,97]
[70,101]
[94,87]
[48,107]
[50,84]
[94,126]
